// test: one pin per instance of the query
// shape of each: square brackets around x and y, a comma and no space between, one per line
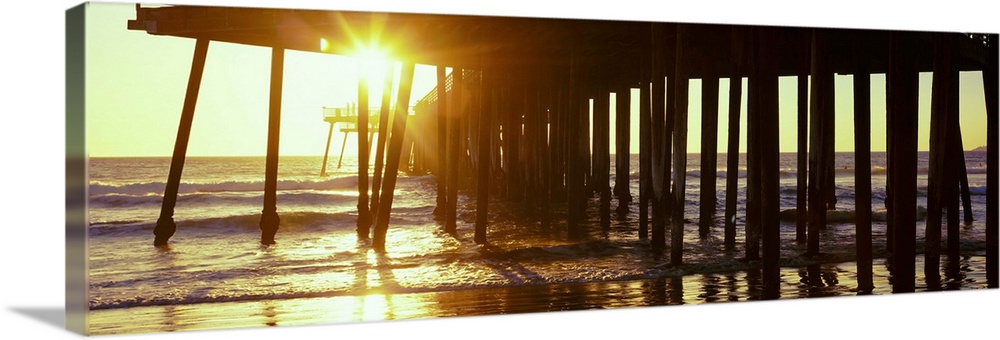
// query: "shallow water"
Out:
[818,280]
[215,273]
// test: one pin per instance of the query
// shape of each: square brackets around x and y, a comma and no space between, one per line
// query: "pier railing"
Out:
[349,114]
[469,77]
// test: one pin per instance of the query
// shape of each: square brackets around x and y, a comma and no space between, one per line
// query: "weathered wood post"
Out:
[660,154]
[503,118]
[393,155]
[364,219]
[937,174]
[442,123]
[383,134]
[602,157]
[545,149]
[529,100]
[269,215]
[709,153]
[753,191]
[862,169]
[165,226]
[955,181]
[645,159]
[668,70]
[902,96]
[455,148]
[622,148]
[765,79]
[680,85]
[497,120]
[733,148]
[512,135]
[733,159]
[326,152]
[583,146]
[343,146]
[821,118]
[483,183]
[963,175]
[992,163]
[950,200]
[802,156]
[574,172]
[554,142]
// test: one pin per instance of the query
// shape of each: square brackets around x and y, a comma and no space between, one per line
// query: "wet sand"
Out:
[810,281]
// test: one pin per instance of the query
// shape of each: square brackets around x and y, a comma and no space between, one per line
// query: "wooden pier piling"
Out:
[802,147]
[556,139]
[576,203]
[902,95]
[752,229]
[393,157]
[455,156]
[645,159]
[937,173]
[623,116]
[364,219]
[583,143]
[544,157]
[862,171]
[680,91]
[733,160]
[765,82]
[383,135]
[165,226]
[326,152]
[483,182]
[442,122]
[530,147]
[343,146]
[660,135]
[546,103]
[668,110]
[821,117]
[512,131]
[733,148]
[963,174]
[269,215]
[602,157]
[950,200]
[709,153]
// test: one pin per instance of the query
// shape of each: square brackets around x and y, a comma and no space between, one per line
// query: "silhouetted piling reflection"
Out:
[389,301]
[710,288]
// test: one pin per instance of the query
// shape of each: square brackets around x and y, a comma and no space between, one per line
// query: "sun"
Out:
[372,61]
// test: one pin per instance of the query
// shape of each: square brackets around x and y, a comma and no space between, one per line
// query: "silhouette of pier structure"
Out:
[348,117]
[520,125]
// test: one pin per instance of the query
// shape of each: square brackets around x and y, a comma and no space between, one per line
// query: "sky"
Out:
[136,84]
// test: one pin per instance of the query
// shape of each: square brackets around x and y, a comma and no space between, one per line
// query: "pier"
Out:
[348,116]
[512,120]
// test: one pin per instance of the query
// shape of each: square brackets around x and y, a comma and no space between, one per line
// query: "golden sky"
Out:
[136,84]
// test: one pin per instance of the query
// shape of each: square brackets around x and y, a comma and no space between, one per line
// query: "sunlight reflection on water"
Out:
[382,303]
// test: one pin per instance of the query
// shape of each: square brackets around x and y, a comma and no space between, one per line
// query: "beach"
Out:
[215,273]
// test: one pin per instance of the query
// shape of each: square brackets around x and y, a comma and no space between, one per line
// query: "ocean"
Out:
[215,274]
